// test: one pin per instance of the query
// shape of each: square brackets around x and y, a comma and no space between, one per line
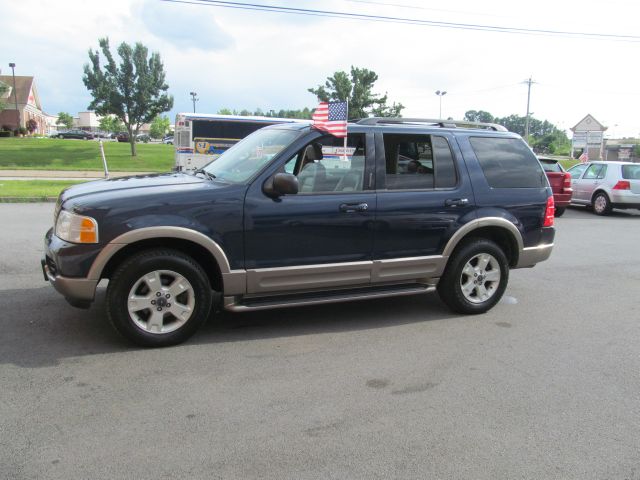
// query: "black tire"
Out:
[601,204]
[560,211]
[61,136]
[450,285]
[168,263]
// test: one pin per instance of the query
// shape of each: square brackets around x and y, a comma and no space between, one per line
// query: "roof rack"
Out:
[433,122]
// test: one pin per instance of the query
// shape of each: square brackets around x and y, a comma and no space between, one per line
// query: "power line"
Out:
[404,20]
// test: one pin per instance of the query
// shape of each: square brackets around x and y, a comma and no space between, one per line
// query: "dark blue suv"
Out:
[291,216]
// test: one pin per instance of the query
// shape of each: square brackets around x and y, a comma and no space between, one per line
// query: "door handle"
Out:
[456,202]
[353,207]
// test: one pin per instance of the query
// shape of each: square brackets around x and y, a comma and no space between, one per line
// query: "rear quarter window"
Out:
[631,172]
[508,163]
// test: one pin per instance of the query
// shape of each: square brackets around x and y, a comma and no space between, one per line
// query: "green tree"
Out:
[110,124]
[65,120]
[357,88]
[159,126]
[225,111]
[134,91]
[478,116]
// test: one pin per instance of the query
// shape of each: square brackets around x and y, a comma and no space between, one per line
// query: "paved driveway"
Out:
[546,385]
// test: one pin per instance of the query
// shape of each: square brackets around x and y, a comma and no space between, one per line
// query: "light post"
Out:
[15,92]
[440,94]
[194,99]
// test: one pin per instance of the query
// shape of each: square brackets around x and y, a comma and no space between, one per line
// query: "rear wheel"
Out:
[560,211]
[158,298]
[601,204]
[475,278]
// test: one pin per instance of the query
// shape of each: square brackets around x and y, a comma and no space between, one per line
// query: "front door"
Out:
[320,237]
[423,192]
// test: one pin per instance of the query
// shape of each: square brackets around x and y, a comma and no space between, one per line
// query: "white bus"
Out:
[200,138]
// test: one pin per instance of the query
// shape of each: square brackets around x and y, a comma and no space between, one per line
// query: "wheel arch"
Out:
[499,230]
[597,191]
[195,244]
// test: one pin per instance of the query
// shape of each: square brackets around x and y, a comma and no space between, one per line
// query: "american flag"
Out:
[331,117]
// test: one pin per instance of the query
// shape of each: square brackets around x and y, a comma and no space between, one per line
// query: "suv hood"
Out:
[129,183]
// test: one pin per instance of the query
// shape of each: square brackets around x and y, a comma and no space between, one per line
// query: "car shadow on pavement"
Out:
[41,329]
[584,212]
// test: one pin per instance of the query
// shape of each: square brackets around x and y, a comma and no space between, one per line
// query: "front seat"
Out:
[312,173]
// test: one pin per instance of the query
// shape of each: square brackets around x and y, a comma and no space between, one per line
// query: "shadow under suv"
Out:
[289,216]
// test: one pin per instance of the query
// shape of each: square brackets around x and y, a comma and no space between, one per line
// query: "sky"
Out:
[245,59]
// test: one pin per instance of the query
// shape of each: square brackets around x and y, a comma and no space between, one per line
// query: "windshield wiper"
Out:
[211,176]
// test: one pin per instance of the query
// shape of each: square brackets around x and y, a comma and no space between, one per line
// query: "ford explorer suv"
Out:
[290,217]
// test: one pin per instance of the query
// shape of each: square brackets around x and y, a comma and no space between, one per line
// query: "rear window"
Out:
[631,172]
[550,165]
[508,163]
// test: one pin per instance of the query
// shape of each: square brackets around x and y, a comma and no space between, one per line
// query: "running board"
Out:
[240,304]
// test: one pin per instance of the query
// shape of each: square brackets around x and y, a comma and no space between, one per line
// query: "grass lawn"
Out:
[57,154]
[33,189]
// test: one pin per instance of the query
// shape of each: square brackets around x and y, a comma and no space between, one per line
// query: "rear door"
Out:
[592,177]
[423,194]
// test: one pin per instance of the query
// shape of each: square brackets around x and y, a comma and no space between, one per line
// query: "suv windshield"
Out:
[247,157]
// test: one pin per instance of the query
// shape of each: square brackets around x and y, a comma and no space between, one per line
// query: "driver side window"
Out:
[324,166]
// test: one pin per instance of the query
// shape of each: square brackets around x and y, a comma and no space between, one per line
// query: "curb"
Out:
[27,199]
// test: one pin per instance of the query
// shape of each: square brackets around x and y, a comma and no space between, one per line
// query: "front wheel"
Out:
[601,204]
[475,278]
[158,298]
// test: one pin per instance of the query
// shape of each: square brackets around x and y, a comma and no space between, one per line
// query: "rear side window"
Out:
[550,166]
[508,163]
[418,162]
[631,172]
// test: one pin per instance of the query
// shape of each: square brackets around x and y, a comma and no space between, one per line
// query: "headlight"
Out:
[76,228]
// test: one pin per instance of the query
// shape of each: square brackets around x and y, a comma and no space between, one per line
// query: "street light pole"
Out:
[15,92]
[440,94]
[194,99]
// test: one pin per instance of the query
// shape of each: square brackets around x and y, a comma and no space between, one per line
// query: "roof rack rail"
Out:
[434,122]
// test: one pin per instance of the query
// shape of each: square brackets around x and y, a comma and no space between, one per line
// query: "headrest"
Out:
[313,151]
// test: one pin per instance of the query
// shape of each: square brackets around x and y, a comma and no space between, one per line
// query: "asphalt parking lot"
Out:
[546,385]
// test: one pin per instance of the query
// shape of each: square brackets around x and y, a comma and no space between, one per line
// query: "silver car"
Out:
[606,185]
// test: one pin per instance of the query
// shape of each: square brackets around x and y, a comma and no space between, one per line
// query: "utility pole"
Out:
[526,122]
[15,92]
[194,99]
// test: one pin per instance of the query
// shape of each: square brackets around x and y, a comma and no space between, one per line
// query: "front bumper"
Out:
[66,267]
[76,291]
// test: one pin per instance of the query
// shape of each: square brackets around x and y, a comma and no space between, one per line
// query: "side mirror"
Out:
[281,184]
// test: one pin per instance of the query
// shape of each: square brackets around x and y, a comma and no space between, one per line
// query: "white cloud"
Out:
[244,59]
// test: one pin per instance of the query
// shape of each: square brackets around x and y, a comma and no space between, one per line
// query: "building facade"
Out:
[588,136]
[29,106]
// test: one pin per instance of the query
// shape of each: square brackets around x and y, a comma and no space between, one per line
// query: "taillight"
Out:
[549,213]
[566,185]
[622,185]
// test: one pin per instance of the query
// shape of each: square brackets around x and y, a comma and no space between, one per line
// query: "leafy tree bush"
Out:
[134,90]
[32,125]
[159,126]
[357,87]
[65,120]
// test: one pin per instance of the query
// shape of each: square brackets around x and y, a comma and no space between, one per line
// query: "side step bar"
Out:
[244,304]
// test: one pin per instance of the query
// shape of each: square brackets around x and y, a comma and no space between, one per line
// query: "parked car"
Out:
[143,137]
[288,217]
[122,137]
[77,134]
[606,185]
[168,140]
[560,181]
